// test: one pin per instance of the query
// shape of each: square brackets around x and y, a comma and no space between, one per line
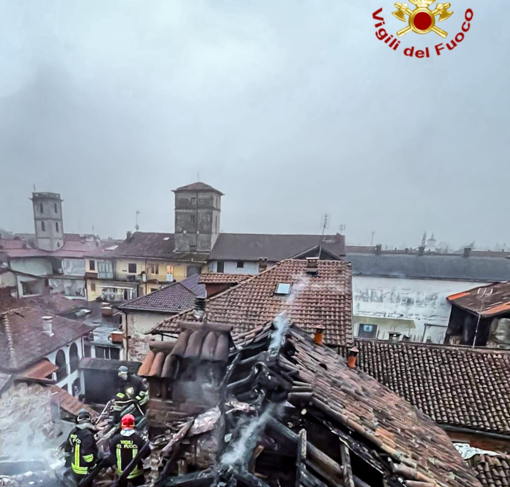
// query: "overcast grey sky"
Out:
[292,108]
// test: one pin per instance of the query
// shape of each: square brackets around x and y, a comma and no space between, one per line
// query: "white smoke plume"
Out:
[248,438]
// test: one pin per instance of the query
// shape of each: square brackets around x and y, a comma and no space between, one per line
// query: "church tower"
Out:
[48,220]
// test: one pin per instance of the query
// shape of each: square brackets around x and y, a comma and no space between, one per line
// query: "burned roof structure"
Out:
[314,292]
[293,412]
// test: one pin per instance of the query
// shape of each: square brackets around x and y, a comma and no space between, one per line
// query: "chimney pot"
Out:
[262,264]
[352,357]
[467,252]
[318,337]
[128,235]
[48,325]
[378,249]
[199,311]
[312,265]
[394,337]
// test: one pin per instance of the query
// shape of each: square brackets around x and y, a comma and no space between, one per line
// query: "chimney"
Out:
[393,337]
[378,249]
[199,310]
[47,325]
[262,264]
[312,265]
[318,337]
[421,250]
[352,357]
[467,252]
[128,235]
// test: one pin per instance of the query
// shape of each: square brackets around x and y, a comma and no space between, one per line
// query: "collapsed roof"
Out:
[291,412]
[485,301]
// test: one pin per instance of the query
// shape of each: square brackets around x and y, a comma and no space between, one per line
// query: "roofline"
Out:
[154,331]
[163,259]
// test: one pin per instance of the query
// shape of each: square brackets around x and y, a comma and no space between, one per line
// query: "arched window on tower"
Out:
[43,227]
[41,209]
[56,227]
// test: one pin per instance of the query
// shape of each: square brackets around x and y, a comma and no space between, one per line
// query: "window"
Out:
[108,353]
[283,288]
[88,350]
[132,268]
[56,227]
[367,331]
[193,201]
[60,362]
[92,265]
[74,358]
[240,264]
[76,388]
[43,226]
[153,269]
[41,209]
[193,218]
[56,208]
[220,266]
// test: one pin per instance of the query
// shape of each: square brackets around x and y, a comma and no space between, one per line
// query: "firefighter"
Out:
[81,449]
[124,447]
[131,397]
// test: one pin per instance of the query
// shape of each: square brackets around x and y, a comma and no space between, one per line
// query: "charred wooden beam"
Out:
[195,479]
[301,456]
[346,464]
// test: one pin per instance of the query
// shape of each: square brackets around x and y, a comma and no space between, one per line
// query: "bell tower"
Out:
[197,217]
[48,220]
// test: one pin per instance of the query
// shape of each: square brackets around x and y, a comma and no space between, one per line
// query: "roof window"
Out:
[283,289]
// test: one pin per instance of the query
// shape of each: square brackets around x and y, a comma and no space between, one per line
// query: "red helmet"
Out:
[127,421]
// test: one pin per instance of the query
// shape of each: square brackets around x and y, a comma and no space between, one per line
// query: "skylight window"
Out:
[283,289]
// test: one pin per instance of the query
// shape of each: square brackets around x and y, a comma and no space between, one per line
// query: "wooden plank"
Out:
[346,465]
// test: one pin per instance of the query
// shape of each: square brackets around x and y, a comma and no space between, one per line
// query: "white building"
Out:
[399,292]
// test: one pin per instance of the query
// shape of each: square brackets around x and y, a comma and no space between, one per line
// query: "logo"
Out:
[421,20]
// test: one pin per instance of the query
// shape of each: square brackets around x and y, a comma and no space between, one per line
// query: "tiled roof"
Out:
[174,298]
[221,278]
[201,342]
[491,471]
[485,301]
[51,304]
[12,244]
[68,403]
[197,187]
[253,246]
[430,266]
[152,245]
[325,299]
[354,399]
[455,386]
[22,341]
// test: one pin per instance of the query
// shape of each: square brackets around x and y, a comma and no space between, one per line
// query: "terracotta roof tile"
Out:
[486,301]
[221,278]
[325,299]
[174,298]
[456,386]
[491,471]
[68,403]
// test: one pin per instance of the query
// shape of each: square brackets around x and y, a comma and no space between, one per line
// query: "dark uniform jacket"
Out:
[82,448]
[123,448]
[132,392]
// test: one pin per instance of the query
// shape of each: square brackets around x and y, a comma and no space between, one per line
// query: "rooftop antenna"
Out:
[342,229]
[372,238]
[137,227]
[325,225]
[198,176]
[34,188]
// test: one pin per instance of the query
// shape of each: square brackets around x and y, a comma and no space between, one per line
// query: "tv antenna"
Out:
[325,225]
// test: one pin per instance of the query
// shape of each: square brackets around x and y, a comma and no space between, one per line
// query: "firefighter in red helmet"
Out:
[124,447]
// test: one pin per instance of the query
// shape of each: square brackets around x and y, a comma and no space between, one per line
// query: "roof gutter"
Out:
[456,429]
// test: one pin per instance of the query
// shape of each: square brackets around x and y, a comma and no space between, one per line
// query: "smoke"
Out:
[238,451]
[27,430]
